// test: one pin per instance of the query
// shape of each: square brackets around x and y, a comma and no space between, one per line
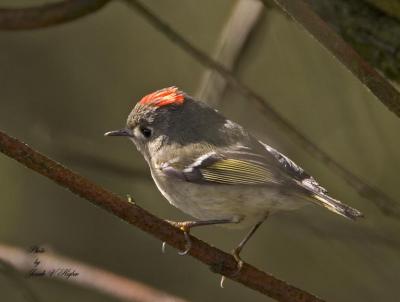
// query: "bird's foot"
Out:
[235,254]
[185,227]
[239,264]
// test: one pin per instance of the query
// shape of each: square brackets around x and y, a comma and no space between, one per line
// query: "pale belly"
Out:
[243,203]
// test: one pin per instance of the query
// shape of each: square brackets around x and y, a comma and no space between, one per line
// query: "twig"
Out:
[219,261]
[240,25]
[305,16]
[56,266]
[386,204]
[47,14]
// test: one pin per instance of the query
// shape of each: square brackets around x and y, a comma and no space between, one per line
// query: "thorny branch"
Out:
[219,261]
[85,275]
[386,204]
[47,14]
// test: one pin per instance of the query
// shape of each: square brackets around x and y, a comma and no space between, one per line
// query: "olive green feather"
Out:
[235,171]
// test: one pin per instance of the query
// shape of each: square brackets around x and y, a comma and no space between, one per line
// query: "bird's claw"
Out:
[129,198]
[163,246]
[221,283]
[185,228]
[188,243]
[239,266]
[188,246]
[235,254]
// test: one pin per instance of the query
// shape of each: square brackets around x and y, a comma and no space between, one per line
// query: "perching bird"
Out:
[214,170]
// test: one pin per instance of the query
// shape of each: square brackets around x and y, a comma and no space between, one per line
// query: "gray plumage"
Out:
[212,168]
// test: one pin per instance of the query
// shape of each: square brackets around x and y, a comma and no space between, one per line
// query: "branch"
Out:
[390,7]
[373,33]
[305,16]
[88,276]
[386,204]
[236,32]
[219,261]
[47,14]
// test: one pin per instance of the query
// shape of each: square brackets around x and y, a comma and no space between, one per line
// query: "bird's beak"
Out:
[121,132]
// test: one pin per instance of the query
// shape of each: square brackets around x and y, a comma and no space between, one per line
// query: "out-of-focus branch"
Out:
[390,7]
[47,14]
[386,204]
[219,261]
[236,32]
[373,33]
[378,85]
[51,265]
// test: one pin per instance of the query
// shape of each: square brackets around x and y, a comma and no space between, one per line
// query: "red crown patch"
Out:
[163,97]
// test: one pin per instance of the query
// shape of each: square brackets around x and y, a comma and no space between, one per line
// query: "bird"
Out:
[214,170]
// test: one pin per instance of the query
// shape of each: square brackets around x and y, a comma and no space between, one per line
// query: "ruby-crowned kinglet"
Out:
[214,170]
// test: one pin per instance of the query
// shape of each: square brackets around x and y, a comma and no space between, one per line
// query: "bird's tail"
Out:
[318,195]
[336,206]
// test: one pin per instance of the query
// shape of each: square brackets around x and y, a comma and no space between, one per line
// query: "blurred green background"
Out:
[61,88]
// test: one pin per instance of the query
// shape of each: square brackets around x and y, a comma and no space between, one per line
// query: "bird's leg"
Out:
[186,226]
[236,251]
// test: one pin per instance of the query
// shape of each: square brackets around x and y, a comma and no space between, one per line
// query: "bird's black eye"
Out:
[145,131]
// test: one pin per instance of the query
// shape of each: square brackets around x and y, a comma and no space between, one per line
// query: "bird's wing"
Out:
[289,167]
[314,190]
[238,167]
[265,167]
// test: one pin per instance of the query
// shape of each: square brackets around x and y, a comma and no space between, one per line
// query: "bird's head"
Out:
[171,117]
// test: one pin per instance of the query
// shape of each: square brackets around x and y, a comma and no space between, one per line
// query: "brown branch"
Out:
[47,14]
[305,16]
[386,204]
[219,261]
[88,276]
[373,33]
[390,7]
